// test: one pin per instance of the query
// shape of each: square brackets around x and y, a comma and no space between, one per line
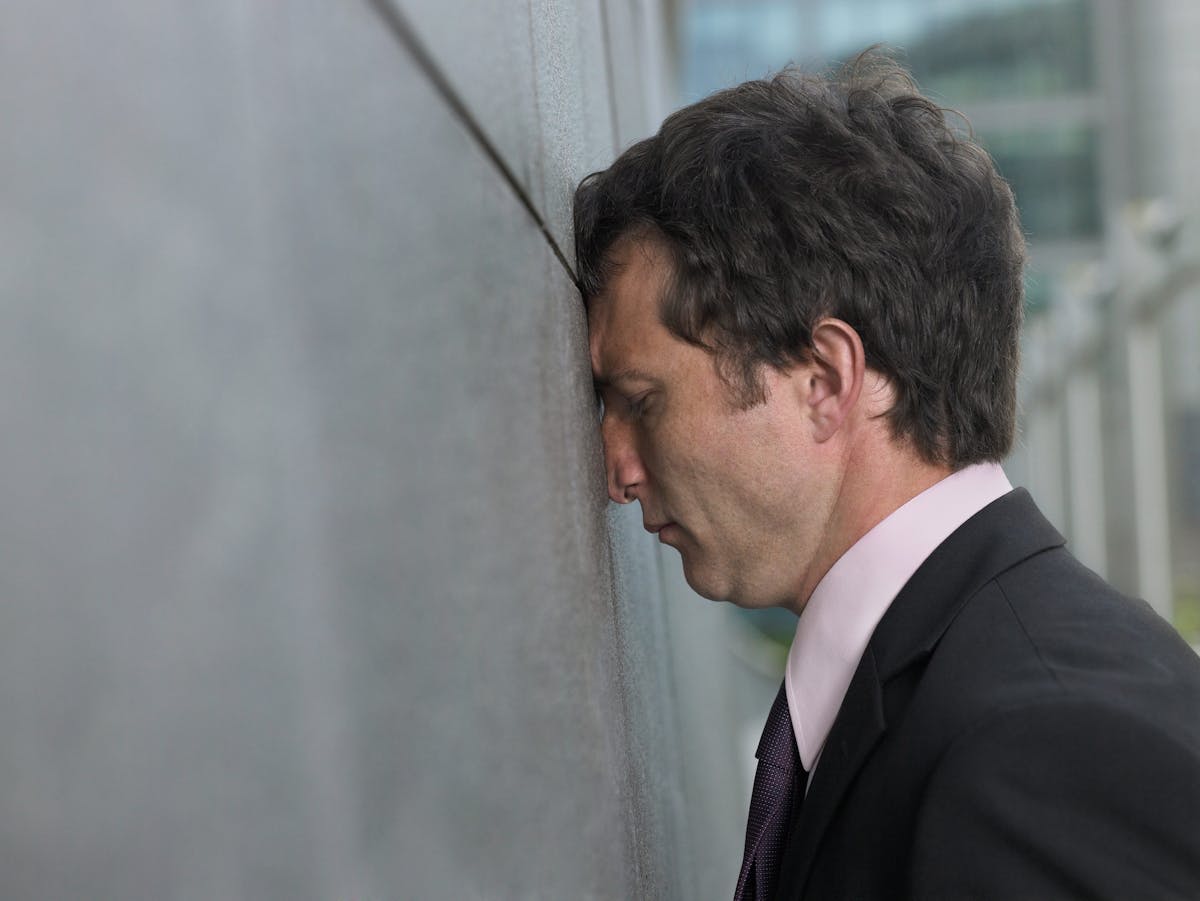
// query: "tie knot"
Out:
[777,747]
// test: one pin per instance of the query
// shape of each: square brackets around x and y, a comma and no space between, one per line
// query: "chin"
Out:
[704,583]
[716,588]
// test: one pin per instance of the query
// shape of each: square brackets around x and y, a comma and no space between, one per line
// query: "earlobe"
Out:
[837,375]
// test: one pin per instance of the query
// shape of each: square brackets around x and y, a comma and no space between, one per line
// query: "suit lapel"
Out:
[1007,531]
[998,537]
[859,726]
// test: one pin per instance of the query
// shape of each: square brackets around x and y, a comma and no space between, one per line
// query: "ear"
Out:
[835,373]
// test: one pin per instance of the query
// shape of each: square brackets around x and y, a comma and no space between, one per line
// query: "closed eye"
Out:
[636,406]
[627,408]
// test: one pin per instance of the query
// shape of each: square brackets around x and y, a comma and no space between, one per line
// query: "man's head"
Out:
[810,241]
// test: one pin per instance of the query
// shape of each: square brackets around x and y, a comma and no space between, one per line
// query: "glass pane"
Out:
[1054,173]
[959,50]
[1020,51]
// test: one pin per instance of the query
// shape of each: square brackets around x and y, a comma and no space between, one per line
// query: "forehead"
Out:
[623,322]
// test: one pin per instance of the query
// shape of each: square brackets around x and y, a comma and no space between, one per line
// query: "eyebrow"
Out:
[623,375]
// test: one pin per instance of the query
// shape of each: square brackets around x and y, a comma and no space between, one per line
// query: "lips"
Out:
[655,528]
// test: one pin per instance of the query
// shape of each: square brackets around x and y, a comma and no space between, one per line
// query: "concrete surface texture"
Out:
[311,589]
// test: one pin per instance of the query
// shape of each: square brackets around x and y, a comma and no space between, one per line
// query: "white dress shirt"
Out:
[847,604]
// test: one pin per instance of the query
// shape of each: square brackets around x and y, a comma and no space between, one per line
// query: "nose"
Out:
[622,462]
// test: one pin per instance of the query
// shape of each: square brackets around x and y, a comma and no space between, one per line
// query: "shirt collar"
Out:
[847,604]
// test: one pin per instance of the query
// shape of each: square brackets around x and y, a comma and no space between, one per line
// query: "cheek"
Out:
[714,456]
[680,455]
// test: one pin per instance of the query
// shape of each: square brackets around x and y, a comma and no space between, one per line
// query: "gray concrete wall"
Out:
[310,587]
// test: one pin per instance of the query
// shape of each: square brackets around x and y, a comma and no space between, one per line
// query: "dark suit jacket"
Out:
[1015,729]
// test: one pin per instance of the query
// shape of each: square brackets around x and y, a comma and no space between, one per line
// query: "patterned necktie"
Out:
[775,785]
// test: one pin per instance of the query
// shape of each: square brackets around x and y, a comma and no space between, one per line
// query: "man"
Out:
[804,298]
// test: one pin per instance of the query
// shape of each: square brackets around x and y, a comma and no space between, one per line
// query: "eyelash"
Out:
[634,407]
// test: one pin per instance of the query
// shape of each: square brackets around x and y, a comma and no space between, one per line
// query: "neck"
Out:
[876,481]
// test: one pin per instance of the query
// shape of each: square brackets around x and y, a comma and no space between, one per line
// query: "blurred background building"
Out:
[310,585]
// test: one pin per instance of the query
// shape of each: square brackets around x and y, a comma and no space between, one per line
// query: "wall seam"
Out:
[400,29]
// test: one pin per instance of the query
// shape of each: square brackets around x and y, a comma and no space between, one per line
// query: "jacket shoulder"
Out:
[1049,627]
[1067,796]
[1068,762]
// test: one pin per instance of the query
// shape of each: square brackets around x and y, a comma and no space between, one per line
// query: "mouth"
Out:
[655,528]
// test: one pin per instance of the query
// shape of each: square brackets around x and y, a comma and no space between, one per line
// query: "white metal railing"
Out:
[1119,306]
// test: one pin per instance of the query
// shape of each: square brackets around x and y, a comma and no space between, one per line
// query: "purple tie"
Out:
[775,784]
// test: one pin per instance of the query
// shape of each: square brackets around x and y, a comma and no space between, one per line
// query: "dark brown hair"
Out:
[785,200]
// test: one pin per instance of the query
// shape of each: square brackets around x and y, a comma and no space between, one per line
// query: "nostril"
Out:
[614,492]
